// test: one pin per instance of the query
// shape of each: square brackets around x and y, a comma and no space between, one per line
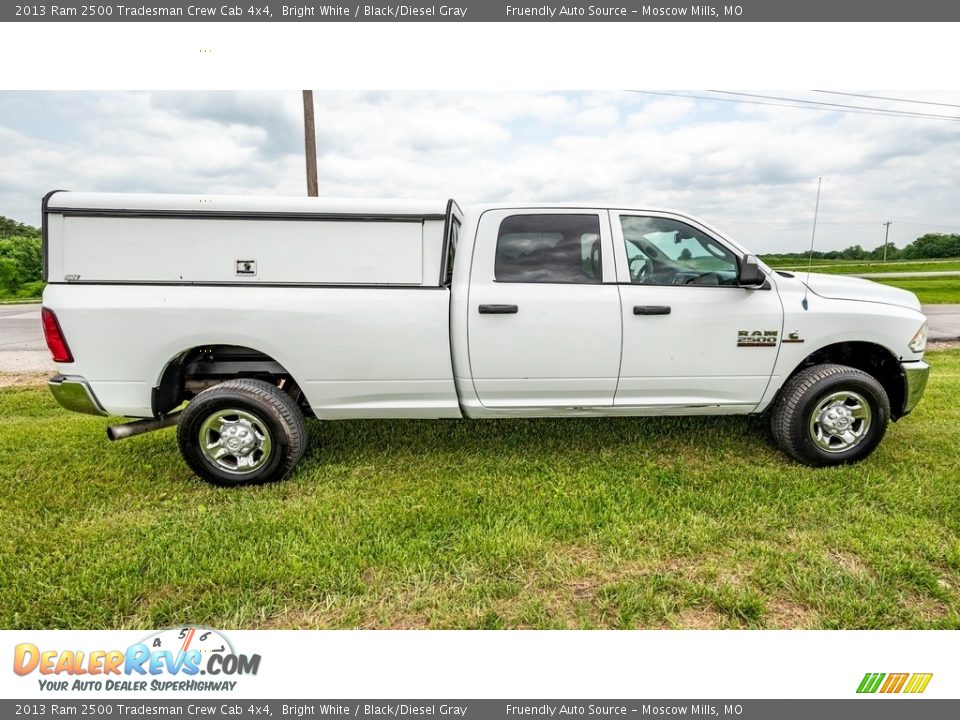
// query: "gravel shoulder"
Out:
[24,379]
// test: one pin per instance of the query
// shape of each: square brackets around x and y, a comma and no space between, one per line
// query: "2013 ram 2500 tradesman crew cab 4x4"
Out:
[257,312]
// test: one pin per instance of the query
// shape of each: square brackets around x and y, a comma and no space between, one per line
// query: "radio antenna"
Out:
[813,237]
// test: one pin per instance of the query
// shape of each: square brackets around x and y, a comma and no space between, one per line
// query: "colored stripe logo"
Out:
[894,683]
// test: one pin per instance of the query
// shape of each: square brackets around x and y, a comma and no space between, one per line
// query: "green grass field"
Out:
[577,523]
[930,290]
[853,267]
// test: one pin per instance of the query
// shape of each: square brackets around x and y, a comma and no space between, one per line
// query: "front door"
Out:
[544,310]
[691,335]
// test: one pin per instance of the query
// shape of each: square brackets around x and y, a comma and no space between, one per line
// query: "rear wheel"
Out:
[242,432]
[830,415]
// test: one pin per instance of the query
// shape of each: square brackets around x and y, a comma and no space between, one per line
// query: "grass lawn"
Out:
[614,523]
[930,290]
[854,267]
[20,301]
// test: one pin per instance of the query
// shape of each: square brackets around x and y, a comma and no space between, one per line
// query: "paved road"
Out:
[22,348]
[944,321]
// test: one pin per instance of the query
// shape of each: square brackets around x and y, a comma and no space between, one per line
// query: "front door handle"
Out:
[498,309]
[651,309]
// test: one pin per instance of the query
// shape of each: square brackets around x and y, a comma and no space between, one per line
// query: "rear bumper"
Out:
[915,375]
[73,393]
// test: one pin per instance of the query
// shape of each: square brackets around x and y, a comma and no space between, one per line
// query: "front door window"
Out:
[663,251]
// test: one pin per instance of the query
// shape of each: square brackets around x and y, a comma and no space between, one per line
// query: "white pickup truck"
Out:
[258,312]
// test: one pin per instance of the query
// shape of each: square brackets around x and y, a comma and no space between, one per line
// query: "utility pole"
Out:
[310,136]
[886,236]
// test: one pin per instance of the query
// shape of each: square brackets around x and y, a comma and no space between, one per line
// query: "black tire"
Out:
[817,391]
[265,433]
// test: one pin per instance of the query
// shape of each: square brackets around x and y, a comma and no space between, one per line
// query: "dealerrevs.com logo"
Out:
[173,659]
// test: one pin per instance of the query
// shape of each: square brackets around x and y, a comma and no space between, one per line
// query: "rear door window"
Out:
[546,248]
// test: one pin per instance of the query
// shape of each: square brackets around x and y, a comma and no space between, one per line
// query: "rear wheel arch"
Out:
[195,369]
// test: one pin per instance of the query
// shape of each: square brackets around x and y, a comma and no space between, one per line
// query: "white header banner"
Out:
[194,661]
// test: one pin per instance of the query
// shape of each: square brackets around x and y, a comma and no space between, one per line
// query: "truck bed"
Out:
[356,352]
[346,295]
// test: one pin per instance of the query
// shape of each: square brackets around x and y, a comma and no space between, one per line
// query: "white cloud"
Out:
[749,169]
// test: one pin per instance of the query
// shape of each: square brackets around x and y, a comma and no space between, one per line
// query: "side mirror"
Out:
[749,273]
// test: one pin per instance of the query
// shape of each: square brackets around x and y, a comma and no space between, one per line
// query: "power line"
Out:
[933,225]
[884,111]
[834,222]
[774,104]
[891,99]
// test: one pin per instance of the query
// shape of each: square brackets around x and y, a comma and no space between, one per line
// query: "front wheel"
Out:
[242,432]
[830,415]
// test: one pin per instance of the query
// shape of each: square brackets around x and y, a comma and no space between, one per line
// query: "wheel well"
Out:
[872,359]
[194,370]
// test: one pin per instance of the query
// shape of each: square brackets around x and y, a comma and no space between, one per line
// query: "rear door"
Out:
[544,327]
[691,336]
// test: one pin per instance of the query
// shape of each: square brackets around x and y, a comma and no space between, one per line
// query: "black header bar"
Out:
[483,11]
[224,707]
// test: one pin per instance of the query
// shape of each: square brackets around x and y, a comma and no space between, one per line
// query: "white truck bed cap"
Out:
[61,201]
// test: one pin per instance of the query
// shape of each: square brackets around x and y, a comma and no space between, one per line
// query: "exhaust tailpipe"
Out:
[138,427]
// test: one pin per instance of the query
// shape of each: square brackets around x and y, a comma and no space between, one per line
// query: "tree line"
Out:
[21,260]
[926,247]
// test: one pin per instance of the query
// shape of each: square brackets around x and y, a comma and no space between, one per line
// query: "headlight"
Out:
[919,342]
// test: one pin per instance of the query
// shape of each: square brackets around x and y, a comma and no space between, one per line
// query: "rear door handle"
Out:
[651,309]
[498,309]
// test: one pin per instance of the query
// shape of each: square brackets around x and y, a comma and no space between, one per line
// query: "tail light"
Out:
[54,336]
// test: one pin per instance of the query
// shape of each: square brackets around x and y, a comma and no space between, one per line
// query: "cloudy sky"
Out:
[750,169]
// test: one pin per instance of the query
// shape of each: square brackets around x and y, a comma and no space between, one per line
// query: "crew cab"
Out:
[236,318]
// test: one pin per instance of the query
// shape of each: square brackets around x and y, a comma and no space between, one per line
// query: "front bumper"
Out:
[915,375]
[73,392]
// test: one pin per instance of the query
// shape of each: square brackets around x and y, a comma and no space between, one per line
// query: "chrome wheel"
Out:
[840,421]
[235,441]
